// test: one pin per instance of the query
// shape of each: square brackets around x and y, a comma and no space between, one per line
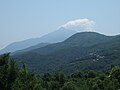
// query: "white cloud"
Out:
[80,25]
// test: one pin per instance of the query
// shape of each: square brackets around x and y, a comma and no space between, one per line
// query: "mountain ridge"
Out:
[53,37]
[54,56]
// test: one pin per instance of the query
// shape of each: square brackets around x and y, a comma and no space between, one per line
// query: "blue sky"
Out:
[24,19]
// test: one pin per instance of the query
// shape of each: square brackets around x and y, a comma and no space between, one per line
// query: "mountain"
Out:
[40,45]
[83,39]
[53,37]
[85,50]
[98,57]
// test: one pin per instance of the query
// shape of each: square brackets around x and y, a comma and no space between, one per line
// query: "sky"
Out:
[24,19]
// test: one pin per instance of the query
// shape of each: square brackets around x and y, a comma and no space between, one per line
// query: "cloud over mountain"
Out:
[80,25]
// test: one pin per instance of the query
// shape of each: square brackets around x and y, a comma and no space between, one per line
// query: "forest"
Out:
[13,77]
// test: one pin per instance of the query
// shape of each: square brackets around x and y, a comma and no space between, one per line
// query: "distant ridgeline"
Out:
[56,36]
[14,78]
[81,51]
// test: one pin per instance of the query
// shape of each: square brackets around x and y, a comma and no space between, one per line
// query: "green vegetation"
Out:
[14,78]
[82,51]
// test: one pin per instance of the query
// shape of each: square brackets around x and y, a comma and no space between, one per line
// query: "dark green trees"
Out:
[8,72]
[14,78]
[26,81]
[115,73]
[69,86]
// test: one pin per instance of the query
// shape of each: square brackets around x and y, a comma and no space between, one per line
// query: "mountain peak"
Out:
[89,33]
[53,37]
[86,38]
[86,35]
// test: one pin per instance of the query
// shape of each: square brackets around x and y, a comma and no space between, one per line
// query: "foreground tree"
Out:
[13,77]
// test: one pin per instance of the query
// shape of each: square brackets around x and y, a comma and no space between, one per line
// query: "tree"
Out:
[69,86]
[115,73]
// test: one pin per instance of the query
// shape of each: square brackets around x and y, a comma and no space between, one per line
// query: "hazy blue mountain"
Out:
[83,39]
[30,48]
[86,50]
[53,37]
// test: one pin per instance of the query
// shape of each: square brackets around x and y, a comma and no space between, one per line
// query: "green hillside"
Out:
[86,50]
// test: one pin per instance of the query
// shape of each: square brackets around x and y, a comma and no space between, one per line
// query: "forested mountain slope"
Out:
[56,36]
[86,50]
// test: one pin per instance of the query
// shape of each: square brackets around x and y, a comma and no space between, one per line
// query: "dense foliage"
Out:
[14,78]
[82,51]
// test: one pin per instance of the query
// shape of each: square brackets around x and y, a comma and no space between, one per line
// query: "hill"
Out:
[40,45]
[86,50]
[53,37]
